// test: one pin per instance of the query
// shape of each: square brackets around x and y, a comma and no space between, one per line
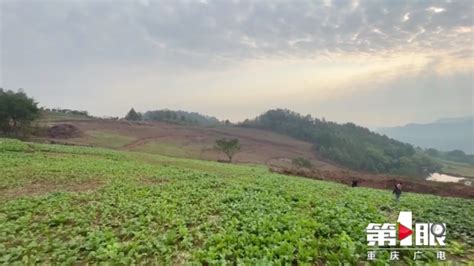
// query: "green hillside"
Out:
[66,204]
[347,144]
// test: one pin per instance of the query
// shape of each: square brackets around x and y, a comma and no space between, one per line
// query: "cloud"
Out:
[65,52]
[179,31]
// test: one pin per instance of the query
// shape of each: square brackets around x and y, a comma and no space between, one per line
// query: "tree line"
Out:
[17,112]
[177,117]
[348,144]
[68,111]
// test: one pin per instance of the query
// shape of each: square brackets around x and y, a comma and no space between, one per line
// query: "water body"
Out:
[445,178]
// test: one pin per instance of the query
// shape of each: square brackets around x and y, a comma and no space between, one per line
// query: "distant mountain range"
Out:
[444,134]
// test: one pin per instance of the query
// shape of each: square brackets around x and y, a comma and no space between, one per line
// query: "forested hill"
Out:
[348,144]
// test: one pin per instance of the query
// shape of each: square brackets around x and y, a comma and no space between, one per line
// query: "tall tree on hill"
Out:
[17,111]
[229,147]
[132,115]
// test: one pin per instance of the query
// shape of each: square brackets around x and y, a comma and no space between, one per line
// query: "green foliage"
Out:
[132,115]
[301,162]
[69,112]
[229,147]
[454,155]
[181,117]
[419,164]
[12,145]
[454,162]
[161,211]
[348,144]
[17,111]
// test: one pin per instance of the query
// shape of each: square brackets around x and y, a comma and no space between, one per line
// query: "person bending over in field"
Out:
[397,191]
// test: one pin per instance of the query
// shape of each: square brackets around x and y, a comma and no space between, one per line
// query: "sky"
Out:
[374,63]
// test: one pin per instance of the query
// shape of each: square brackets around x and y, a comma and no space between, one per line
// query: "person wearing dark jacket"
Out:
[397,191]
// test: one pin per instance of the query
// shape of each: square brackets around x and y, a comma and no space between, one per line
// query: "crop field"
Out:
[66,204]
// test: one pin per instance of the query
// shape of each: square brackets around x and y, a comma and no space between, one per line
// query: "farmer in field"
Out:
[355,183]
[397,191]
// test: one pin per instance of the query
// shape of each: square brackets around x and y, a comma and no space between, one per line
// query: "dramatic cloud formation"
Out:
[234,59]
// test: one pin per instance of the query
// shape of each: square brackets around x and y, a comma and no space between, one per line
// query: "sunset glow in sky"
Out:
[375,63]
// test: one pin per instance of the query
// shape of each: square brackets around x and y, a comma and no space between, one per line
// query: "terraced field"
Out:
[73,205]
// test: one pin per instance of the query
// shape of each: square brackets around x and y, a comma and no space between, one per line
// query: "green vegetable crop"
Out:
[63,204]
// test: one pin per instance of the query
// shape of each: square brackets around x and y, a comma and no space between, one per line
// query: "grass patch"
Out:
[108,139]
[167,149]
